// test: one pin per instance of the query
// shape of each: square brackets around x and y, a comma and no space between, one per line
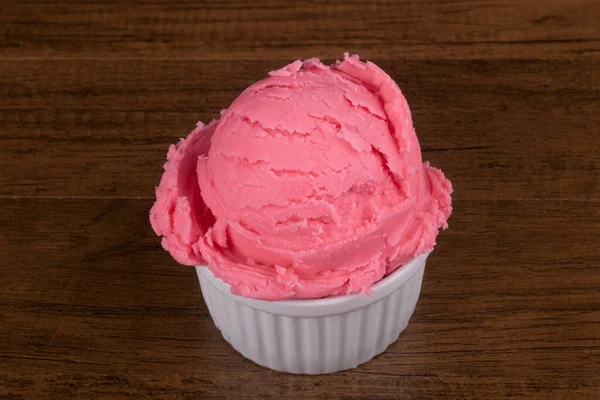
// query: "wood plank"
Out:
[93,307]
[503,129]
[472,29]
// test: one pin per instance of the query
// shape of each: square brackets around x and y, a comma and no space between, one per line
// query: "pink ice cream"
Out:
[310,185]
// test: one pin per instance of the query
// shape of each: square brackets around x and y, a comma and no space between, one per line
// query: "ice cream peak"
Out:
[310,185]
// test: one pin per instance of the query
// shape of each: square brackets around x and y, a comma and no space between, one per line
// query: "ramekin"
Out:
[318,336]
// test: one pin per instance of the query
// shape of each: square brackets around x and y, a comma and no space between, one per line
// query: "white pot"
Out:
[318,336]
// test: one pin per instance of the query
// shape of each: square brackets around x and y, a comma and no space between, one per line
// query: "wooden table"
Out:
[505,98]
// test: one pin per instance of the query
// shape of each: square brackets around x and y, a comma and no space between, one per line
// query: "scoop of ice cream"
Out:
[311,184]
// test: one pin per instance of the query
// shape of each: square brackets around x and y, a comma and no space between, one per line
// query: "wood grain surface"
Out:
[505,97]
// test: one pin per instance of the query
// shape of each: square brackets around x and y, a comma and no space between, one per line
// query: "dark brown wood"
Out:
[92,305]
[501,129]
[262,29]
[505,98]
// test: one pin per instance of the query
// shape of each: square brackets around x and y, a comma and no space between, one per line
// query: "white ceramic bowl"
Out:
[318,336]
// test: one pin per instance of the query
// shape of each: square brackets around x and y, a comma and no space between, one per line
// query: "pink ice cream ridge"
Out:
[311,184]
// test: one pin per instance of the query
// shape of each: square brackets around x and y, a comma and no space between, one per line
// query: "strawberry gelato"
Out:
[311,184]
